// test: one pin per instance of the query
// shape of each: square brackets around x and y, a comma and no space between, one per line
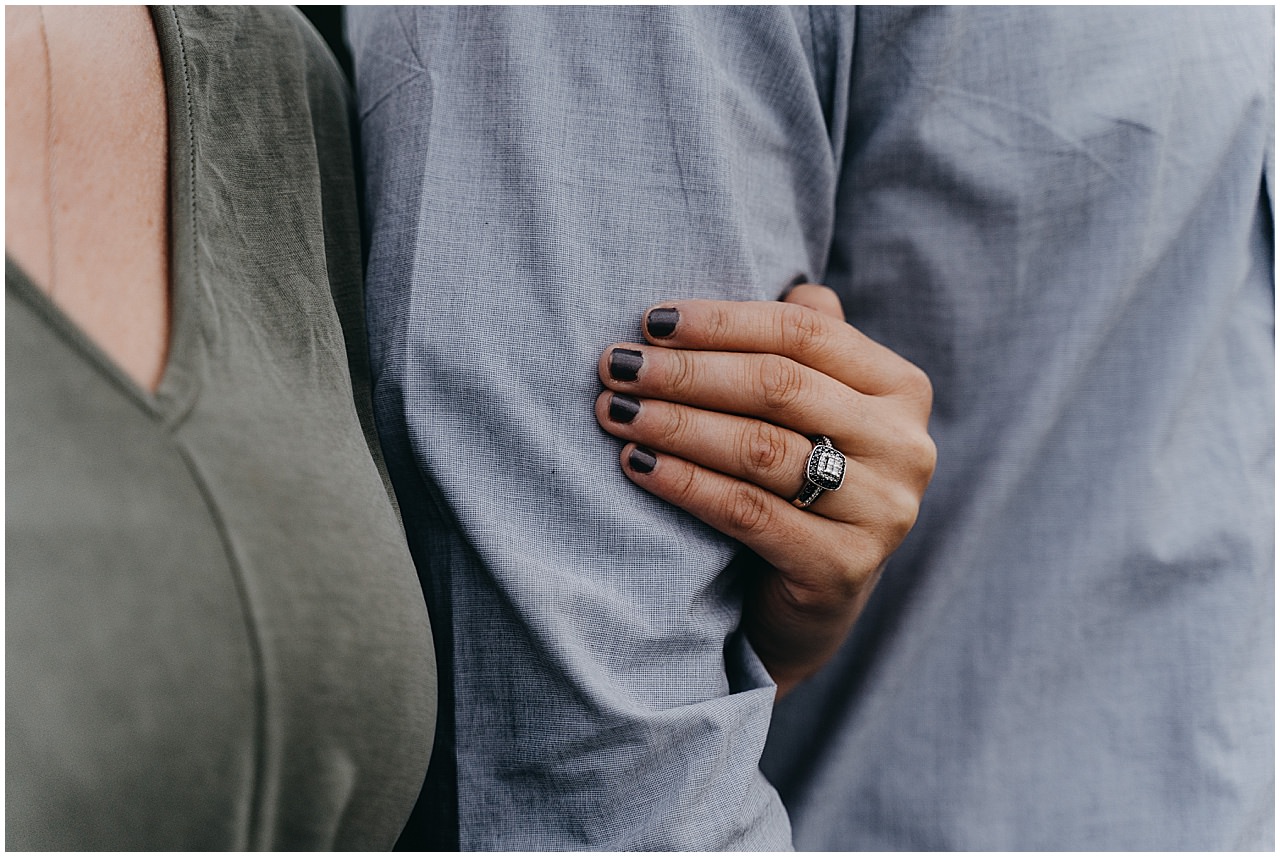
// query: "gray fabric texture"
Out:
[214,634]
[1061,215]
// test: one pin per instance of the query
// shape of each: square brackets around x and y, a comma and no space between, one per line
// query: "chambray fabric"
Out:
[1062,215]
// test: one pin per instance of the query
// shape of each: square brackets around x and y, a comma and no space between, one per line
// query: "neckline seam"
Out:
[179,387]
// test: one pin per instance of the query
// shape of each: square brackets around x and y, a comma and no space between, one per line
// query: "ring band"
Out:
[824,471]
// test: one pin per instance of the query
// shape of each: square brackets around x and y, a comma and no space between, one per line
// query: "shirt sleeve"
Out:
[535,179]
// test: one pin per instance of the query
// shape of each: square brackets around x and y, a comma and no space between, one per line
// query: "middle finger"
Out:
[767,386]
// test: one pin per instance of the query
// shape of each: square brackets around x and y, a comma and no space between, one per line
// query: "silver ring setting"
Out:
[824,471]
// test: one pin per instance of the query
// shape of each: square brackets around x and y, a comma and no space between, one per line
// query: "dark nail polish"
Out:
[624,364]
[642,460]
[622,408]
[662,321]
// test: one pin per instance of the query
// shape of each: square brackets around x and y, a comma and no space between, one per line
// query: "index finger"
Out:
[807,336]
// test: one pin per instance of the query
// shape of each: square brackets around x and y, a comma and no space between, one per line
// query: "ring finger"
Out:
[759,452]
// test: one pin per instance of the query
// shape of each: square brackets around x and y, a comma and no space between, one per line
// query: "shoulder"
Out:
[265,56]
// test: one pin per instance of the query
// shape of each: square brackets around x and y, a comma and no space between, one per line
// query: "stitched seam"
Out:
[191,141]
[256,648]
[174,419]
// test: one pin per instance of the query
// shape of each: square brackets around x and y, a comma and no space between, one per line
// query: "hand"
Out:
[718,408]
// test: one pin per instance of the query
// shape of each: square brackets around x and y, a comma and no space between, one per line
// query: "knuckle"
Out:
[764,448]
[780,381]
[680,375]
[684,488]
[901,509]
[679,424]
[919,458]
[926,457]
[803,330]
[746,510]
[715,322]
[916,384]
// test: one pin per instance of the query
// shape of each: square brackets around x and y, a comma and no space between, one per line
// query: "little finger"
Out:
[796,542]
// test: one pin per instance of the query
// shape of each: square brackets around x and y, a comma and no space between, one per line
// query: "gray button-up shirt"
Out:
[1062,215]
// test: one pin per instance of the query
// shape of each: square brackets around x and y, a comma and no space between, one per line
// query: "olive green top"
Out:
[215,636]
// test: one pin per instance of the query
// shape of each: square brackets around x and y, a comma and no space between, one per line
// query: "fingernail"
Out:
[623,408]
[624,364]
[642,460]
[662,321]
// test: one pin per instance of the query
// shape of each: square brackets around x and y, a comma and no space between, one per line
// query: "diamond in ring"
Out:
[824,471]
[826,467]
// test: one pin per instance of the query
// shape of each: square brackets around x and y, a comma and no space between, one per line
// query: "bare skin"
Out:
[726,405]
[86,191]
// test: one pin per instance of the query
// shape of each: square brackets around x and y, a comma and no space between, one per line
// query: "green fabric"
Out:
[215,636]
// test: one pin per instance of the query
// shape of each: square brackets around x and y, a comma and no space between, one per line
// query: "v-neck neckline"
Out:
[181,377]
